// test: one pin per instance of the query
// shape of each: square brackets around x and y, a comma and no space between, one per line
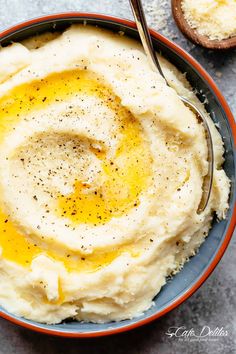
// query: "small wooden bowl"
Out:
[194,36]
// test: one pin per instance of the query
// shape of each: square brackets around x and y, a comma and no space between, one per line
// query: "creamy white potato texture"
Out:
[101,172]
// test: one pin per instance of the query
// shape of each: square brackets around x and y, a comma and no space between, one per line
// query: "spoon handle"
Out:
[137,8]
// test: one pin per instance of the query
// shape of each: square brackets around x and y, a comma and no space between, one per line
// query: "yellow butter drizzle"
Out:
[126,176]
[16,247]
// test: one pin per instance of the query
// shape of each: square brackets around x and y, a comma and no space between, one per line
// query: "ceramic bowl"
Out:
[196,271]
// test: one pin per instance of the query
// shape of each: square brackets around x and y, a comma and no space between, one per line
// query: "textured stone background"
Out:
[214,304]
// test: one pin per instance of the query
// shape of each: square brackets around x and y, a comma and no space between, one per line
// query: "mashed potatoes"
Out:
[101,176]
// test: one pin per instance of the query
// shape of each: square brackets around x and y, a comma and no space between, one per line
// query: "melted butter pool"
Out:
[126,176]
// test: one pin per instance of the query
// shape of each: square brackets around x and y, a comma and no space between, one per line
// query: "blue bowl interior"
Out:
[194,269]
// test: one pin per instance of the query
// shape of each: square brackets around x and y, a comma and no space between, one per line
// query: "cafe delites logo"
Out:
[205,333]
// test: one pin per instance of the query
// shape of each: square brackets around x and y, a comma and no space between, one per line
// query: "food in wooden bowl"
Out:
[211,24]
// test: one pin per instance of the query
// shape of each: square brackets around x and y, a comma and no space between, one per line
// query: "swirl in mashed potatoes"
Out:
[101,176]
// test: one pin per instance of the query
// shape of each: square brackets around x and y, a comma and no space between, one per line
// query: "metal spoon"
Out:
[137,8]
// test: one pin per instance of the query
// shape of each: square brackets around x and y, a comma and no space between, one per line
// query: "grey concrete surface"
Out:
[214,304]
